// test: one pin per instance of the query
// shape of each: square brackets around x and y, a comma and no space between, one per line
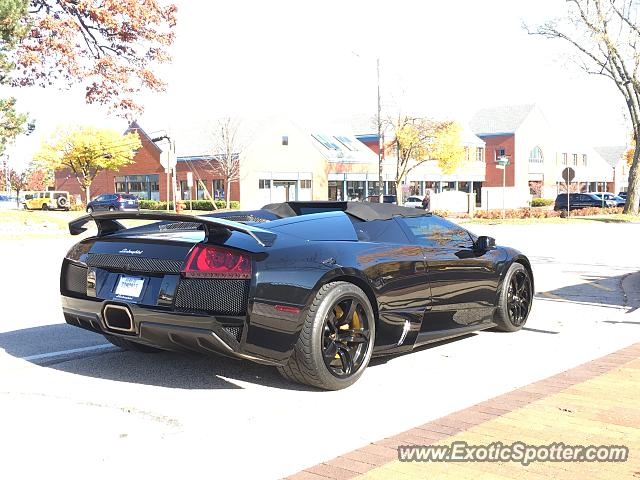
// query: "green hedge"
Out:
[542,202]
[197,205]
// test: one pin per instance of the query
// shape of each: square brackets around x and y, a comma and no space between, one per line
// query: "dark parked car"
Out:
[112,202]
[620,202]
[385,199]
[580,200]
[313,288]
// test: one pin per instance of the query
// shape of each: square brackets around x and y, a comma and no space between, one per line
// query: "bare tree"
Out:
[227,152]
[606,37]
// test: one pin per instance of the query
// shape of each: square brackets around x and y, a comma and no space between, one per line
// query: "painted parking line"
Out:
[64,353]
[597,285]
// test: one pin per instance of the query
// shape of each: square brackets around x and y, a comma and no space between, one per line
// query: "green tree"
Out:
[12,29]
[605,34]
[86,151]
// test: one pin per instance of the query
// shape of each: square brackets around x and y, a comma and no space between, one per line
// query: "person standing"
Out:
[426,201]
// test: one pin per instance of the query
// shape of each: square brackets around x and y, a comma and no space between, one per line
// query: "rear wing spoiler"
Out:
[107,223]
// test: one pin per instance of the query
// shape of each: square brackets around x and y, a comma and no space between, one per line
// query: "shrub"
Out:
[542,202]
[197,204]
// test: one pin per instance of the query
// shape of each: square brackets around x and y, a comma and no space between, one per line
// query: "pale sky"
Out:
[315,62]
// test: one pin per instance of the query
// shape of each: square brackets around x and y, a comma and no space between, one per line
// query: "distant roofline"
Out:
[494,134]
[135,126]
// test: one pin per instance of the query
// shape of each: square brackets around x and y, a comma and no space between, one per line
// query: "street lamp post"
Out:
[502,162]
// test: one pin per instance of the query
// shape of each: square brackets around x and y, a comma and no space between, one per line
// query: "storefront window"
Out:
[463,186]
[374,189]
[185,191]
[414,188]
[218,189]
[335,189]
[145,187]
[355,191]
[201,191]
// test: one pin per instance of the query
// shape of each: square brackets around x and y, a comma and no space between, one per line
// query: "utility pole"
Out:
[380,139]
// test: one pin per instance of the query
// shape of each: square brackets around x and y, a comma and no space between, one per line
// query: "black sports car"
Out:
[314,288]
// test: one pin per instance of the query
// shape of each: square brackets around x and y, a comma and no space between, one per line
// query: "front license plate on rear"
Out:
[129,286]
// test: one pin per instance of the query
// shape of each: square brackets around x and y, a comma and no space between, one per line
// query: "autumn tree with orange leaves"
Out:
[109,46]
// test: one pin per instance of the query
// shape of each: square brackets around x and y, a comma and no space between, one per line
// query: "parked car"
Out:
[49,200]
[8,202]
[623,195]
[112,202]
[620,202]
[312,288]
[385,199]
[580,200]
[413,202]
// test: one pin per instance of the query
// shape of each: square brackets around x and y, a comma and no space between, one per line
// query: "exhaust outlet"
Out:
[118,317]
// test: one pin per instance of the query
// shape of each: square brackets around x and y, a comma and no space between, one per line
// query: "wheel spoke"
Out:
[353,336]
[346,359]
[346,317]
[330,351]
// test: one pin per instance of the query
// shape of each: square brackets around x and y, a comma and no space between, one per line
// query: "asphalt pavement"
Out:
[72,404]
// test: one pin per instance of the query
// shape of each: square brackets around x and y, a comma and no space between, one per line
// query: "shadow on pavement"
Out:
[594,290]
[164,369]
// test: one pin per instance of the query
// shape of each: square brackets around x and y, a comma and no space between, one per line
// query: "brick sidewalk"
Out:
[597,403]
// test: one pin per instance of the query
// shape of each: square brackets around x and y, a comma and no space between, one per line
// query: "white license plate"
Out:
[130,286]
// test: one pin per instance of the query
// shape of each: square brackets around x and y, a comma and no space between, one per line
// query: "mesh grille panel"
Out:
[220,296]
[245,218]
[76,279]
[135,264]
[235,331]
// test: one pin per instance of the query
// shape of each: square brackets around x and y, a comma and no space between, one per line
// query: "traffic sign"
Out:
[568,174]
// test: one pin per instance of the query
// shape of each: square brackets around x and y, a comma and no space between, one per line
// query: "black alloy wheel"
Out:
[519,297]
[515,300]
[345,337]
[336,341]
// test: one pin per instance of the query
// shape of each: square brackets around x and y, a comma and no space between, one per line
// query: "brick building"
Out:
[146,177]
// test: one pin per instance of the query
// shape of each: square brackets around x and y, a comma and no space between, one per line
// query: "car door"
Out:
[100,202]
[463,280]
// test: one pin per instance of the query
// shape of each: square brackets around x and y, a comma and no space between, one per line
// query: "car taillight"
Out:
[208,261]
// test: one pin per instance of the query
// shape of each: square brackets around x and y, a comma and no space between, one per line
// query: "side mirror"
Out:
[485,243]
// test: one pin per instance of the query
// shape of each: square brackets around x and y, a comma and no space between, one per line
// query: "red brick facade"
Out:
[494,144]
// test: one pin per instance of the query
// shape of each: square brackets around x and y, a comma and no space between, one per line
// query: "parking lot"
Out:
[73,403]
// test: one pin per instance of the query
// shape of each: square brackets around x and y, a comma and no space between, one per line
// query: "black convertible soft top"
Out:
[365,211]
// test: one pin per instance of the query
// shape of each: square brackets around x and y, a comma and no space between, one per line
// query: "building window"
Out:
[479,154]
[185,191]
[535,156]
[201,191]
[218,189]
[584,160]
[466,153]
[305,183]
[355,190]
[564,158]
[264,184]
[575,159]
[499,153]
[145,187]
[285,140]
[346,141]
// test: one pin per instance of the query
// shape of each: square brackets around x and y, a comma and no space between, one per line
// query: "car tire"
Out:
[89,210]
[319,338]
[132,346]
[62,203]
[516,298]
[112,209]
[45,207]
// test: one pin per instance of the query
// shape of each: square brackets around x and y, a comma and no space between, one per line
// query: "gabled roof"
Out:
[134,126]
[611,154]
[499,120]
